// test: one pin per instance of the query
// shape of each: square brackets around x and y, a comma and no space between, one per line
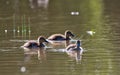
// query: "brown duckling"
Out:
[35,44]
[61,37]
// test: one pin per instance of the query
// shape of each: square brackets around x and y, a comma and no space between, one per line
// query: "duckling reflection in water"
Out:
[29,53]
[60,39]
[40,52]
[39,3]
[75,50]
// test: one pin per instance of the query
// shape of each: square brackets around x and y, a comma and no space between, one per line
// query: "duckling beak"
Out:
[46,41]
[72,35]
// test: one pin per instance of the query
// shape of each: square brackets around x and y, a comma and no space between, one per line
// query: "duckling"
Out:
[61,37]
[75,50]
[35,44]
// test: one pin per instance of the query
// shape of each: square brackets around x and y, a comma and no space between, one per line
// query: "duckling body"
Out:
[35,44]
[61,37]
[58,37]
[74,50]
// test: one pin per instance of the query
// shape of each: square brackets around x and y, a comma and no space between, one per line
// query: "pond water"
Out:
[22,20]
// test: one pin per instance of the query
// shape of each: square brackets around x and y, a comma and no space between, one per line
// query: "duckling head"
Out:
[69,33]
[41,39]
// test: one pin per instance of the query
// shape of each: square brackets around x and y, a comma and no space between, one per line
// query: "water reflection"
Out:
[39,3]
[29,58]
[29,52]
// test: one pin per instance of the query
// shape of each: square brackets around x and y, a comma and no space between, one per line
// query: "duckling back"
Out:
[57,37]
[35,44]
[31,44]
